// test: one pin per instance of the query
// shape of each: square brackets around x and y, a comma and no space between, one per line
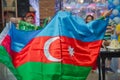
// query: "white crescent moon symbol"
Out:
[46,49]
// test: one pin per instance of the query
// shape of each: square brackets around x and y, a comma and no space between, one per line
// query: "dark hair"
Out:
[27,14]
[89,16]
[30,14]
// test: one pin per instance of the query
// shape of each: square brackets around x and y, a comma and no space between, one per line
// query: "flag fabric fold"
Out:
[6,60]
[65,49]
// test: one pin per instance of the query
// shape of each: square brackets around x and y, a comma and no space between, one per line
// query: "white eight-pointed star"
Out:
[71,50]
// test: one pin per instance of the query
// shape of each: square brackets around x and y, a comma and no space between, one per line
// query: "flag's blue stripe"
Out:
[63,24]
[86,33]
[20,38]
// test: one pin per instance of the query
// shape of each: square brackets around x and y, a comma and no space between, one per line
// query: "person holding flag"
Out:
[90,18]
[27,23]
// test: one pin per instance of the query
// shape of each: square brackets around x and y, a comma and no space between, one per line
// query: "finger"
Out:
[111,10]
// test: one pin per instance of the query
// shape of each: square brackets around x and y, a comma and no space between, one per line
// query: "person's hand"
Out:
[15,20]
[107,13]
[105,43]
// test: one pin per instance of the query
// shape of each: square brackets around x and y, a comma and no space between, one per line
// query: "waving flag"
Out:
[65,49]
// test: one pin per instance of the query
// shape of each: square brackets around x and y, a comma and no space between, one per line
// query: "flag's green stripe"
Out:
[42,71]
[6,60]
[52,71]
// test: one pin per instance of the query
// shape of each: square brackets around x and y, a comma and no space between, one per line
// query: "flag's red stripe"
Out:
[85,52]
[6,43]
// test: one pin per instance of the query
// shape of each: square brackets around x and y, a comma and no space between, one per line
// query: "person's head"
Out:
[89,18]
[29,17]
